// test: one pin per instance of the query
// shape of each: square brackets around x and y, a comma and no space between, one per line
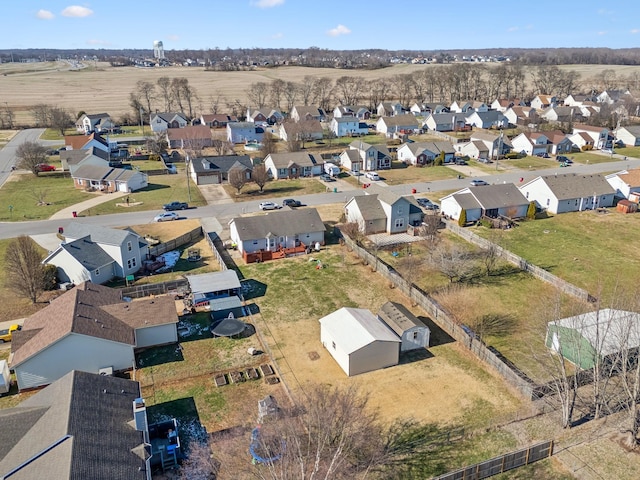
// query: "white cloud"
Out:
[602,32]
[635,30]
[44,15]
[76,11]
[267,3]
[277,35]
[103,43]
[339,30]
[513,29]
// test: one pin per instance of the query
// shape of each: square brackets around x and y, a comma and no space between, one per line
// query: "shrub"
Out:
[586,148]
[462,221]
[531,211]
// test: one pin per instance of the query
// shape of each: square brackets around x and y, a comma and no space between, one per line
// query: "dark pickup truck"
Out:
[175,206]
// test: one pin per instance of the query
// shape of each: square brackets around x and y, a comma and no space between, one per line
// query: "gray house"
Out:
[383,211]
[243,132]
[412,331]
[293,165]
[161,122]
[215,170]
[97,254]
[81,426]
[489,200]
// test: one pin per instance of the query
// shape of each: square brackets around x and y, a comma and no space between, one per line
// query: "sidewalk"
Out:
[92,202]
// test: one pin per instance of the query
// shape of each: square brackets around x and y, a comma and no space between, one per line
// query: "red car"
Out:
[45,167]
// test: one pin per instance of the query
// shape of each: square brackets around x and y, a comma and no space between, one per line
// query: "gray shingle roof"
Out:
[221,163]
[398,318]
[111,236]
[89,254]
[88,415]
[466,201]
[302,159]
[284,223]
[499,196]
[572,185]
[370,208]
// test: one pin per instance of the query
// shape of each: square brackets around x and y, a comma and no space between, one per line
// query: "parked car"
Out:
[269,206]
[45,167]
[6,334]
[562,158]
[327,178]
[372,176]
[484,160]
[171,168]
[427,204]
[542,155]
[477,183]
[460,161]
[175,206]
[166,217]
[290,202]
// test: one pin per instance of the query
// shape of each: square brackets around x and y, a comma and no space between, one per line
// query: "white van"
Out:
[372,176]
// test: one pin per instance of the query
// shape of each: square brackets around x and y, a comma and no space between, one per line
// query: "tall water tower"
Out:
[158,50]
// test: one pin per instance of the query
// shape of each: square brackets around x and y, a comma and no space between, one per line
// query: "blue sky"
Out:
[330,24]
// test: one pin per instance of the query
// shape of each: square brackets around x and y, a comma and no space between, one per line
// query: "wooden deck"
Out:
[266,255]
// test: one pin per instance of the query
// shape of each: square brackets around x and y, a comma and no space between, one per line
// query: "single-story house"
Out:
[194,137]
[306,112]
[576,100]
[97,254]
[374,157]
[163,121]
[215,169]
[357,111]
[358,341]
[216,120]
[293,165]
[446,122]
[625,183]
[108,179]
[488,200]
[562,114]
[381,210]
[92,329]
[403,123]
[277,230]
[611,96]
[412,331]
[486,119]
[219,291]
[559,142]
[98,122]
[80,426]
[519,115]
[72,159]
[423,109]
[348,126]
[424,153]
[582,339]
[504,104]
[244,132]
[531,143]
[389,109]
[629,135]
[303,130]
[473,148]
[569,192]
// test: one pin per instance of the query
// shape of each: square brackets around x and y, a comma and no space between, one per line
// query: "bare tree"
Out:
[146,92]
[237,179]
[199,464]
[29,155]
[23,268]
[157,143]
[322,91]
[276,91]
[306,89]
[257,94]
[269,145]
[164,85]
[221,147]
[260,175]
[60,119]
[40,113]
[491,254]
[7,117]
[40,195]
[452,261]
[290,93]
[410,266]
[349,89]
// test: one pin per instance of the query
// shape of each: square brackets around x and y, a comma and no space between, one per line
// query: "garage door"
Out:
[208,180]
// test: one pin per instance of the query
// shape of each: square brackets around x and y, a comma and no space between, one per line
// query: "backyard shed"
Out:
[412,331]
[627,206]
[582,338]
[358,341]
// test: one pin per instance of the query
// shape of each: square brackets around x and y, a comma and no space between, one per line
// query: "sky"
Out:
[328,24]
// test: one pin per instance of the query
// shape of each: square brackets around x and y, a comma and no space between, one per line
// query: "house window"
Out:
[129,246]
[399,222]
[548,202]
[333,344]
[415,335]
[97,272]
[131,263]
[255,242]
[399,210]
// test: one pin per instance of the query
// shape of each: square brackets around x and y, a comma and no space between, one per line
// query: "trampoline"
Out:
[228,327]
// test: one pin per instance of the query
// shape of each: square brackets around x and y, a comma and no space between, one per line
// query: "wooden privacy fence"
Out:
[521,263]
[176,242]
[444,320]
[217,248]
[139,291]
[501,464]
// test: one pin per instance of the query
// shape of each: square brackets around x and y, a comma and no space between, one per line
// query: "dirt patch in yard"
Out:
[165,231]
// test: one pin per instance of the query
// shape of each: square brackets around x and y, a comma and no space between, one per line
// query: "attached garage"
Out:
[358,341]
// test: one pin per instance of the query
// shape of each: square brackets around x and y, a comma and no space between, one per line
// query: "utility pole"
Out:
[499,148]
[187,161]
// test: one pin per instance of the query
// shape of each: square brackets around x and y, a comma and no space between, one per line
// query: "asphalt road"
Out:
[229,210]
[8,153]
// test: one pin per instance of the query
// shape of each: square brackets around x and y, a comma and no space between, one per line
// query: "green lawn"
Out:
[530,163]
[402,173]
[629,151]
[277,188]
[55,188]
[161,189]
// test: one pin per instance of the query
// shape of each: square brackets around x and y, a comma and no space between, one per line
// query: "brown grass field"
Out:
[102,88]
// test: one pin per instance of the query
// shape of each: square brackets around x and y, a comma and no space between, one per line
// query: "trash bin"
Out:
[335,190]
[75,214]
[60,230]
[413,190]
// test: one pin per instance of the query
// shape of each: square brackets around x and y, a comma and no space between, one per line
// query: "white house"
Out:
[389,109]
[103,178]
[86,142]
[569,192]
[412,331]
[403,123]
[97,254]
[446,122]
[531,143]
[306,112]
[243,132]
[424,108]
[358,341]
[277,230]
[474,149]
[497,145]
[518,115]
[357,111]
[348,126]
[293,165]
[488,200]
[351,161]
[611,96]
[374,157]
[601,136]
[625,182]
[629,135]
[418,153]
[89,328]
[486,119]
[543,101]
[97,122]
[160,122]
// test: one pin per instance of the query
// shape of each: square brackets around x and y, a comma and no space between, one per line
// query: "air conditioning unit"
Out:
[106,371]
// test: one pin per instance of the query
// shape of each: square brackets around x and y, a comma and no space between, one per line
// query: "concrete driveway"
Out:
[214,194]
